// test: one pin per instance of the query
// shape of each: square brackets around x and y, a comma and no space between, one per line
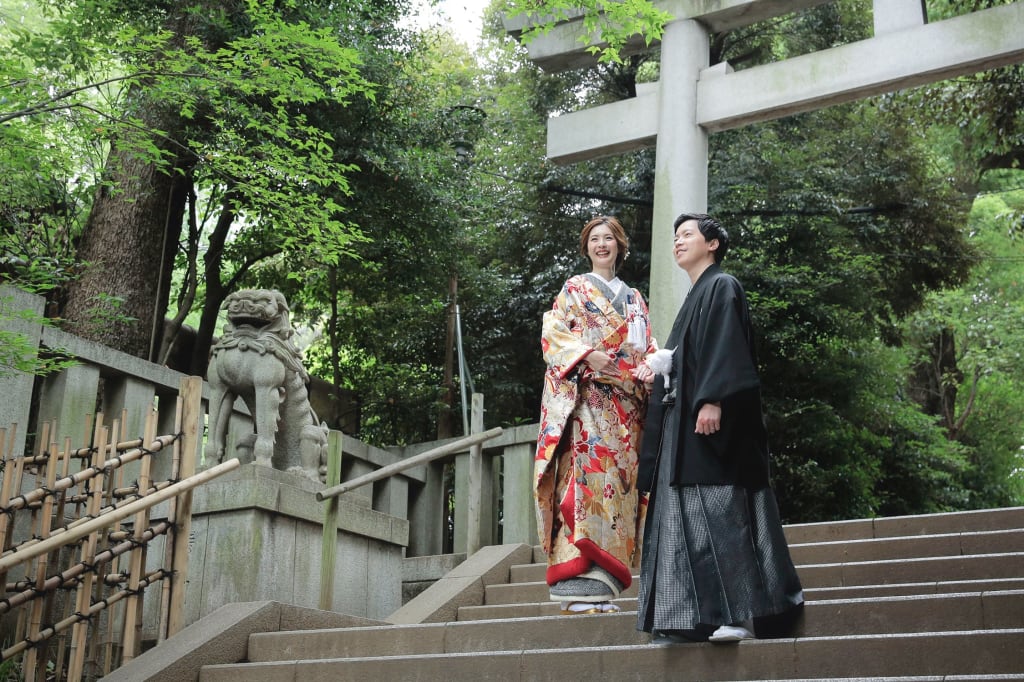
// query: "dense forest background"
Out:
[391,181]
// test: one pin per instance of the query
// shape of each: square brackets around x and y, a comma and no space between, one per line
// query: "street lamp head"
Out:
[465,123]
[463,151]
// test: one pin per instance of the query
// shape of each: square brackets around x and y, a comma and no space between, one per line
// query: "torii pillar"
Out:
[680,166]
[692,100]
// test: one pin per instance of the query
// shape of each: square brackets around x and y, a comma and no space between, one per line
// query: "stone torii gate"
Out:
[692,99]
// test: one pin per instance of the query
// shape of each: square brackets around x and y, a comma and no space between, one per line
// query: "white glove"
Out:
[660,362]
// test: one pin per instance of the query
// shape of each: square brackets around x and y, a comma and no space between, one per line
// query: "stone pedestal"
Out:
[256,535]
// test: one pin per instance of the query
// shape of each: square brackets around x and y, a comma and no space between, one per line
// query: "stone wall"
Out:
[257,532]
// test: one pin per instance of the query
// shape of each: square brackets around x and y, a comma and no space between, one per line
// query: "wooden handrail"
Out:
[11,560]
[422,458]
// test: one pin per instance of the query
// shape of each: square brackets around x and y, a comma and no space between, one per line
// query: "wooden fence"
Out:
[75,538]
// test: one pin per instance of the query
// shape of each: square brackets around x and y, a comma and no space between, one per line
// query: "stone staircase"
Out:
[935,597]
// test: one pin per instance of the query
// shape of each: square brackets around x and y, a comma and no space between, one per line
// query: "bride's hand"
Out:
[599,361]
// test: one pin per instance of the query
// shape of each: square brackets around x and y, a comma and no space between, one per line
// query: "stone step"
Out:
[931,613]
[919,678]
[919,546]
[927,569]
[941,654]
[894,548]
[979,521]
[910,599]
[1008,518]
[1008,565]
[910,589]
[863,592]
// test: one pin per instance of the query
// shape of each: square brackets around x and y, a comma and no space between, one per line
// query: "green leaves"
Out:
[968,352]
[17,353]
[612,23]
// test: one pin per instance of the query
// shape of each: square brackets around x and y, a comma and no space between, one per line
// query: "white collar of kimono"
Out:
[615,284]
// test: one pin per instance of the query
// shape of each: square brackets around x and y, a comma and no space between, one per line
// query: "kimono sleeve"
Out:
[726,365]
[561,341]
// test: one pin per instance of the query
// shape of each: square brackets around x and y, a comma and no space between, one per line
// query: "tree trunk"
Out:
[129,242]
[936,380]
[131,237]
[189,286]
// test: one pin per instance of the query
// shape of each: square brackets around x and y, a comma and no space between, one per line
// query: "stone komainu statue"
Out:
[257,361]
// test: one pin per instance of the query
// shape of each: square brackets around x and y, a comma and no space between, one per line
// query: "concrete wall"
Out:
[13,302]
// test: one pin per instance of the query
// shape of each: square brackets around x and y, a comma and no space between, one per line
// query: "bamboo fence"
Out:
[75,558]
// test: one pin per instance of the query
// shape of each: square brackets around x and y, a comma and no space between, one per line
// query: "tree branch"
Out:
[975,380]
[48,105]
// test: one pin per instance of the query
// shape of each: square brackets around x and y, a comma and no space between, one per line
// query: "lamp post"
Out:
[464,122]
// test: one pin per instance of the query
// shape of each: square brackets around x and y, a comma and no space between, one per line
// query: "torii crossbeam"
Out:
[692,100]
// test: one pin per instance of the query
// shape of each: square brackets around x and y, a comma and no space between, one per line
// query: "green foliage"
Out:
[488,225]
[846,440]
[108,310]
[46,162]
[10,671]
[320,139]
[248,100]
[835,248]
[383,318]
[226,98]
[17,353]
[978,383]
[995,477]
[615,22]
